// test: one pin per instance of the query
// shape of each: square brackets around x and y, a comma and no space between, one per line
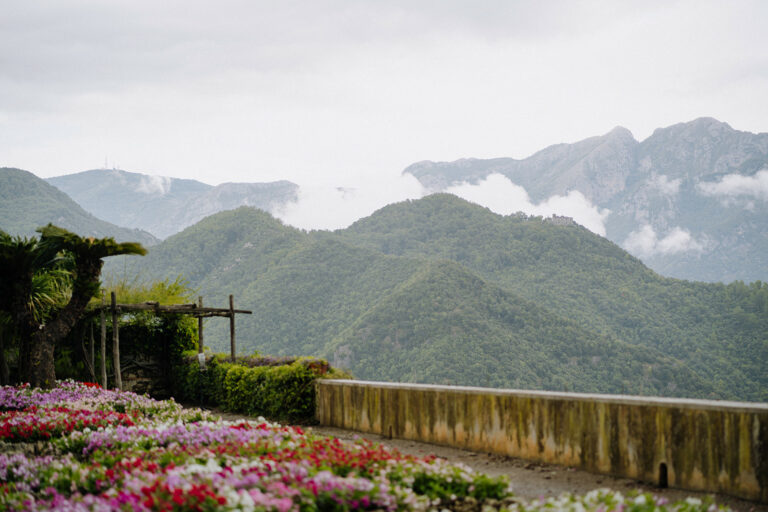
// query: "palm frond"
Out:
[56,238]
[50,291]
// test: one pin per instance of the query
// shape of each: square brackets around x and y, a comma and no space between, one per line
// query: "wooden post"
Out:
[116,344]
[200,328]
[232,327]
[103,344]
[91,356]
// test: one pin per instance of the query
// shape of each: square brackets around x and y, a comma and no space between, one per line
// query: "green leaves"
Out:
[60,239]
[45,286]
[263,388]
[443,291]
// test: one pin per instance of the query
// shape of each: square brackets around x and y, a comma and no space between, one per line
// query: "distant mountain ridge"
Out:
[161,205]
[691,200]
[440,290]
[28,202]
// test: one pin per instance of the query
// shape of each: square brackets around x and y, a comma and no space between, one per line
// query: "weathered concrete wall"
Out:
[703,445]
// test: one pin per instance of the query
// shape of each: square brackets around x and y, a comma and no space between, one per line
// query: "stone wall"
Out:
[146,375]
[704,445]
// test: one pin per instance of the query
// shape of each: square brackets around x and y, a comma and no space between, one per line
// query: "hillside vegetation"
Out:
[715,328]
[161,205]
[442,291]
[28,202]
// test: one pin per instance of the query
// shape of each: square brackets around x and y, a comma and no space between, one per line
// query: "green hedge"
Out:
[278,389]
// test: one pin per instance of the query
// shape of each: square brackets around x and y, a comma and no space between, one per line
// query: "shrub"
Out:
[276,388]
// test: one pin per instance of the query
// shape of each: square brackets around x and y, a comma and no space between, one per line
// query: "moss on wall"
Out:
[703,445]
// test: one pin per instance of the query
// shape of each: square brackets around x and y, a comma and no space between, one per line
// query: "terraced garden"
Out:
[78,447]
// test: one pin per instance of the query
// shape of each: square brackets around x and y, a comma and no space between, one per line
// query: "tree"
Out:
[45,285]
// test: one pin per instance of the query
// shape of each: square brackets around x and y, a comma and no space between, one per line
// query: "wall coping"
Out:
[686,403]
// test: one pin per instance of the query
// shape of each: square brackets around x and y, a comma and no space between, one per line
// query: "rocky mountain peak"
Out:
[653,190]
[698,129]
[620,133]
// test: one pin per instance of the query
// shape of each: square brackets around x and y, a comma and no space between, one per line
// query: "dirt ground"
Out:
[529,480]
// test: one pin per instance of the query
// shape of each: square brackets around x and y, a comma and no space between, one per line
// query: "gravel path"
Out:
[529,480]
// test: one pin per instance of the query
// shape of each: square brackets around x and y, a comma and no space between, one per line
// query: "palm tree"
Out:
[36,276]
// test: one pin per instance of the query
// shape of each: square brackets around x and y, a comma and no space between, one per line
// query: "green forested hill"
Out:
[719,330]
[161,205]
[446,325]
[440,290]
[302,289]
[28,202]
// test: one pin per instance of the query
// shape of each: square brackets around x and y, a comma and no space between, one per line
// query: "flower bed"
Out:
[34,424]
[147,455]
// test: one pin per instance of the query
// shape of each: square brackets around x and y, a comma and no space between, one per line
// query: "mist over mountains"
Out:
[162,205]
[439,290]
[691,200]
[28,202]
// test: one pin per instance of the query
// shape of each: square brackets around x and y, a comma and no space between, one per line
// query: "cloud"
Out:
[664,185]
[220,91]
[575,205]
[328,207]
[734,185]
[645,242]
[504,197]
[154,185]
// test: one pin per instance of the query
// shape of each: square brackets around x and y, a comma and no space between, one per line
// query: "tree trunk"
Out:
[41,370]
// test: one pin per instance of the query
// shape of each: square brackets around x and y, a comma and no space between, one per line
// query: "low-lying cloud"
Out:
[664,185]
[646,242]
[327,207]
[501,195]
[735,185]
[159,185]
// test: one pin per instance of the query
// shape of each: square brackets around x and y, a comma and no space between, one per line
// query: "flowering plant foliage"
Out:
[153,456]
[90,396]
[34,424]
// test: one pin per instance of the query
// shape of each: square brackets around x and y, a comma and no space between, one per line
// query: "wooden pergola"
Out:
[196,310]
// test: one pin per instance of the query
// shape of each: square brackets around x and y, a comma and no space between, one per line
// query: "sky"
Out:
[346,94]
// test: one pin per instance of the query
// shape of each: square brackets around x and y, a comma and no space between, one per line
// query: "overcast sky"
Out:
[350,92]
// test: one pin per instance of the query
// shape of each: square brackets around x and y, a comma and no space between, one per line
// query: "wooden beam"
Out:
[144,306]
[182,309]
[220,310]
[224,313]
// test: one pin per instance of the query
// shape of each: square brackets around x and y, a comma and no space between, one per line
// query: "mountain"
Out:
[690,200]
[451,326]
[441,290]
[28,202]
[161,205]
[586,278]
[597,166]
